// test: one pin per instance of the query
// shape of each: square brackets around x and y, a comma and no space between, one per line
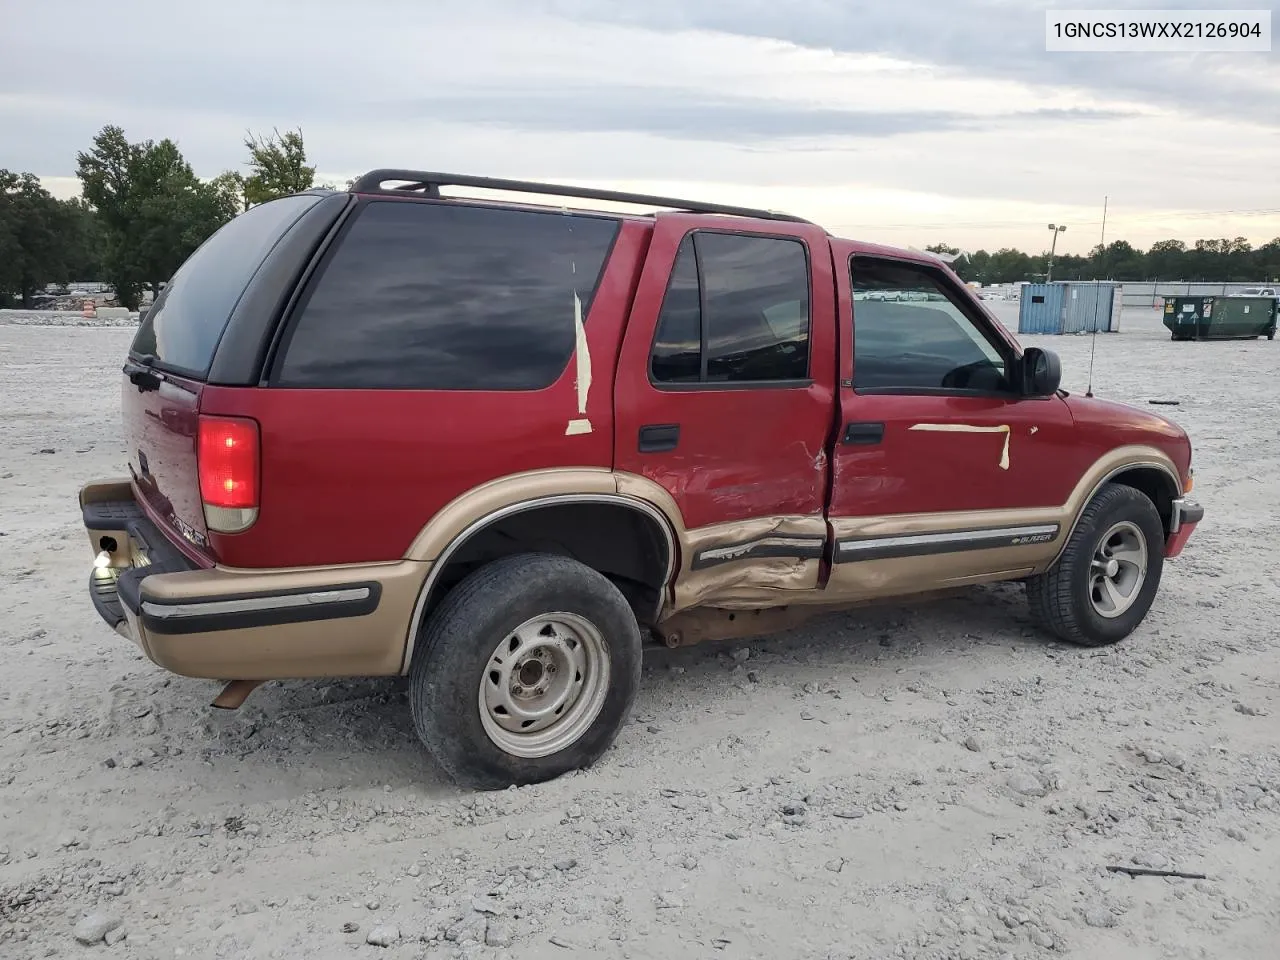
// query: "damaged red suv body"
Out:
[498,445]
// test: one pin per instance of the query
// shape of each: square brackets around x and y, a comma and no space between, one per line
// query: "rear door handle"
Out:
[863,433]
[659,437]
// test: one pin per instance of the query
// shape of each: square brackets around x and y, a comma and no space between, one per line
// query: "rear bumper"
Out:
[1182,523]
[231,624]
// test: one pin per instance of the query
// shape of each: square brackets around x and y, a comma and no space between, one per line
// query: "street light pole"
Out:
[1048,277]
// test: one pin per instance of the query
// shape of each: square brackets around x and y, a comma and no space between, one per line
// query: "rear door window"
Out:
[736,311]
[183,327]
[446,296]
[677,347]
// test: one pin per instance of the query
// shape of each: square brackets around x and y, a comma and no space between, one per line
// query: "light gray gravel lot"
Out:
[925,781]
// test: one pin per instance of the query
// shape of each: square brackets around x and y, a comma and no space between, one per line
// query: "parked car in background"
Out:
[497,446]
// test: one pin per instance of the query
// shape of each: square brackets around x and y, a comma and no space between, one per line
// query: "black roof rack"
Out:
[429,184]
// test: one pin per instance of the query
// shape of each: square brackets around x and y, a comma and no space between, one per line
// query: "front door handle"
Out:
[659,437]
[863,433]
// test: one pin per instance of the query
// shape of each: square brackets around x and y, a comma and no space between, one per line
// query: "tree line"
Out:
[142,211]
[1205,260]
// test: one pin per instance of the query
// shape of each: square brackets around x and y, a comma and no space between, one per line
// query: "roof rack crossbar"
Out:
[430,184]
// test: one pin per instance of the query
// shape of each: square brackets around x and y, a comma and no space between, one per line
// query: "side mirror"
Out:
[1041,372]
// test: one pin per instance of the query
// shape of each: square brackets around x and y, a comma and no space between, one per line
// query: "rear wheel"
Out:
[1102,586]
[526,671]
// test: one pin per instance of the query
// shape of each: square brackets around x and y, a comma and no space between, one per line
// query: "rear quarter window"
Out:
[182,329]
[439,296]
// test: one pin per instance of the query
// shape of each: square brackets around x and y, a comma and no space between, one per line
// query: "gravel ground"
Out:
[62,318]
[930,781]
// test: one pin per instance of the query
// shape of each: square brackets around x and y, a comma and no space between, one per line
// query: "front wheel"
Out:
[526,671]
[1102,586]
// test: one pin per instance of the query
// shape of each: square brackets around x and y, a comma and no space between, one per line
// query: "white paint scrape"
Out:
[971,428]
[581,424]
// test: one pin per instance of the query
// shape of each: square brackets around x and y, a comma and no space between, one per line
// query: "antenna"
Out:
[1093,339]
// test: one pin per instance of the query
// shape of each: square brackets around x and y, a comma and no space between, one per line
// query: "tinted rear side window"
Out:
[183,327]
[757,307]
[736,311]
[677,347]
[448,297]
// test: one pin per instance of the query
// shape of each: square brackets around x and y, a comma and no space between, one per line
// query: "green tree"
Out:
[1205,259]
[231,186]
[82,241]
[154,211]
[1119,261]
[279,167]
[975,266]
[1166,260]
[32,236]
[1238,261]
[1227,260]
[1009,266]
[10,242]
[1266,261]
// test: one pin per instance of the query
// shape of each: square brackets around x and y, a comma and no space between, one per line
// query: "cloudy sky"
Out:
[903,121]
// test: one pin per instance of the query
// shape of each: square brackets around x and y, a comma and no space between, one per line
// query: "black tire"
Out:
[1061,598]
[454,650]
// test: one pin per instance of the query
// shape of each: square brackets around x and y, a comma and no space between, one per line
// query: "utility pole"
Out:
[1048,277]
[1103,241]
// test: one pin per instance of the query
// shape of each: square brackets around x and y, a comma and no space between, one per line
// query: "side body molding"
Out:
[768,561]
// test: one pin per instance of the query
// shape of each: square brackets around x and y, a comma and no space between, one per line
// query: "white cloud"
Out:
[929,122]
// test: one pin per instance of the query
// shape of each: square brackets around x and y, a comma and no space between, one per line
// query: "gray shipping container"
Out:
[1070,307]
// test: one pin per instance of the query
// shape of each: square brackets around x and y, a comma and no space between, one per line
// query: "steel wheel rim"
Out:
[1118,569]
[544,684]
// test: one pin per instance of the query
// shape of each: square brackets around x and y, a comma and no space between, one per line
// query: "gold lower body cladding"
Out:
[748,577]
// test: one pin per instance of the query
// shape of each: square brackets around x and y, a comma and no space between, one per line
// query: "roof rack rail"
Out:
[429,184]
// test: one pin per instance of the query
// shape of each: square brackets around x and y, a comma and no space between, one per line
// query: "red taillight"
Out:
[227,458]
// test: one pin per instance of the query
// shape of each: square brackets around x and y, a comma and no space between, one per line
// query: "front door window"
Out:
[909,335]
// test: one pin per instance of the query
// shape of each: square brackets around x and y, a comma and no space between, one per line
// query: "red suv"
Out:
[496,445]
